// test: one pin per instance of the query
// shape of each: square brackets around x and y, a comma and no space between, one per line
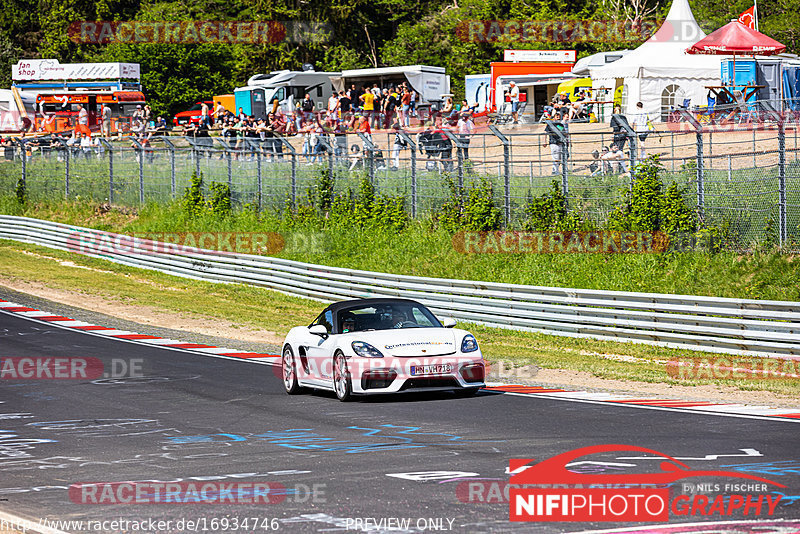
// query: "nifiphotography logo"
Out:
[644,497]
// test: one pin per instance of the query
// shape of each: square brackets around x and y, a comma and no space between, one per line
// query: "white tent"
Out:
[660,73]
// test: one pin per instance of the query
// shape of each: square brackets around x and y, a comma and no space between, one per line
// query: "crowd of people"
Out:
[346,112]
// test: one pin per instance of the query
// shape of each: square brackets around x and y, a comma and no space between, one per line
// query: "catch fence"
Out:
[745,177]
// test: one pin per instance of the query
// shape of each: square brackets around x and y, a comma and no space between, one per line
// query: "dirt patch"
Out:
[145,315]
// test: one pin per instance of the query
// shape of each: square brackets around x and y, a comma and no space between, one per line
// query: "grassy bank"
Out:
[424,250]
[268,310]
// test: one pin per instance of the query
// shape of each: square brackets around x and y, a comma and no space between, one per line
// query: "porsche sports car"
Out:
[384,345]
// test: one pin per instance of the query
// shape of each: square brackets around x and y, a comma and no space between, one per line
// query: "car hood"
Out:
[410,341]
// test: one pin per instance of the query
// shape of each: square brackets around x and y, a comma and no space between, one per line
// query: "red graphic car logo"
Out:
[554,470]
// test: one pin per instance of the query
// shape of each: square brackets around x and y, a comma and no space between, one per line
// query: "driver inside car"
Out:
[348,324]
[398,318]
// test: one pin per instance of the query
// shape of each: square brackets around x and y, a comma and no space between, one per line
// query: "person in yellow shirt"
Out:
[368,103]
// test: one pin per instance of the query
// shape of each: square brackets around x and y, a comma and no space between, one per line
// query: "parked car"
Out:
[192,115]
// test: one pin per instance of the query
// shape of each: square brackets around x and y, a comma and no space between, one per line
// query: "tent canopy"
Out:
[736,38]
[664,54]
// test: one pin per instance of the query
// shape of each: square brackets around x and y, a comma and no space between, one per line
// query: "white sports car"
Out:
[385,345]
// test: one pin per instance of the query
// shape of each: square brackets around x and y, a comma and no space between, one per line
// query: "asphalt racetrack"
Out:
[412,463]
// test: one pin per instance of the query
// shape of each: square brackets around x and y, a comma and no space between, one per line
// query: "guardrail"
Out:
[734,326]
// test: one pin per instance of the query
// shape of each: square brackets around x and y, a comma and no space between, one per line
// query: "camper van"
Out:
[14,106]
[288,87]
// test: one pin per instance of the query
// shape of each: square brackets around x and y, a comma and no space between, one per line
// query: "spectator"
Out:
[219,113]
[465,128]
[558,143]
[8,148]
[405,109]
[105,121]
[333,105]
[398,145]
[618,124]
[615,159]
[448,107]
[368,103]
[356,159]
[345,104]
[307,107]
[641,125]
[513,95]
[353,95]
[363,127]
[205,115]
[412,105]
[390,107]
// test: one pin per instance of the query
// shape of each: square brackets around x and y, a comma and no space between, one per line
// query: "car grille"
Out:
[443,382]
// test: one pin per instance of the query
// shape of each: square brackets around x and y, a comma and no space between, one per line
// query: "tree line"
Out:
[359,34]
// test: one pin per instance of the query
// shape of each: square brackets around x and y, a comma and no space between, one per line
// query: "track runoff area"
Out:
[105,430]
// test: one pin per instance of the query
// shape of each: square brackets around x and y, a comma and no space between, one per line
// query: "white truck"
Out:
[289,87]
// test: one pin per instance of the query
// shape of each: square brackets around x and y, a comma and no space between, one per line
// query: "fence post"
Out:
[66,171]
[460,147]
[701,194]
[110,149]
[258,180]
[172,182]
[413,147]
[782,182]
[293,154]
[633,143]
[370,148]
[24,175]
[506,170]
[140,156]
[779,117]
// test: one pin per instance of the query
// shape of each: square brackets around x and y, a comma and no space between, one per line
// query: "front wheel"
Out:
[341,378]
[289,368]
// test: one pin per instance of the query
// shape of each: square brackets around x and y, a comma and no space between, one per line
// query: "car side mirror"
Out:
[319,330]
[448,322]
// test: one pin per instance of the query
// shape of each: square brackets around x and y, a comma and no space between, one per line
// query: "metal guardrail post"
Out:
[413,147]
[701,194]
[506,170]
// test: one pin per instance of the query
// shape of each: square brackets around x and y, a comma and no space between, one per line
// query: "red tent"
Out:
[736,38]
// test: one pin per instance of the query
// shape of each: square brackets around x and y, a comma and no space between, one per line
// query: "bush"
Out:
[471,209]
[193,201]
[220,202]
[549,212]
[649,208]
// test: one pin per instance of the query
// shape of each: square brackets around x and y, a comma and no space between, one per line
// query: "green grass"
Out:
[425,251]
[269,310]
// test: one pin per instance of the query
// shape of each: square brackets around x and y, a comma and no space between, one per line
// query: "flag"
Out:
[748,18]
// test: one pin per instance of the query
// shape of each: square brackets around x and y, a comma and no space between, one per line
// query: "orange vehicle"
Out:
[66,106]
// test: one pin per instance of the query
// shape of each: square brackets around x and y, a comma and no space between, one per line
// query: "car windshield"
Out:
[196,107]
[386,316]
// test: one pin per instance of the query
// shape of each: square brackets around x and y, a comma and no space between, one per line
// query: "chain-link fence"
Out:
[744,177]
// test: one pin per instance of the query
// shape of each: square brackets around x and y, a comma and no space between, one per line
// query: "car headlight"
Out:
[469,344]
[365,350]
